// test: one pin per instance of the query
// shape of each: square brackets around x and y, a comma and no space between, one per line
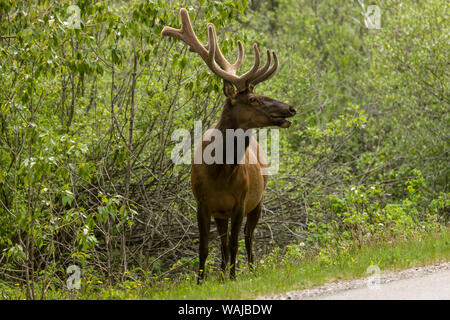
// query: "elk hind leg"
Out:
[252,220]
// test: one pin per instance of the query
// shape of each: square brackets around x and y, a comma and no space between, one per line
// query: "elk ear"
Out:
[229,90]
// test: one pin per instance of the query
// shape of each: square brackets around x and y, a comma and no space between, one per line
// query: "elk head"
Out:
[243,108]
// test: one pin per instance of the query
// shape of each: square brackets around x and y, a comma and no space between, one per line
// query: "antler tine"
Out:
[207,53]
[222,61]
[267,75]
[246,77]
[213,57]
[261,71]
[240,58]
[227,73]
[186,34]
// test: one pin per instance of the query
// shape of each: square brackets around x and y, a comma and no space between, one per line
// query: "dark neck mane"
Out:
[226,121]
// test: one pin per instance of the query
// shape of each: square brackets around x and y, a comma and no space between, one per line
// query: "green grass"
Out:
[287,276]
[277,275]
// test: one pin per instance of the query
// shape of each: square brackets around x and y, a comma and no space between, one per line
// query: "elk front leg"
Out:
[222,228]
[236,223]
[203,219]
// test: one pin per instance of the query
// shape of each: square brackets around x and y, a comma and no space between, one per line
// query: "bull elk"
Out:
[232,191]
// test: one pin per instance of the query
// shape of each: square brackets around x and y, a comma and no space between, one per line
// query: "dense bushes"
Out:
[87,116]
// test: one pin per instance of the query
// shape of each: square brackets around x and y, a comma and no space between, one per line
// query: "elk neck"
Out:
[228,121]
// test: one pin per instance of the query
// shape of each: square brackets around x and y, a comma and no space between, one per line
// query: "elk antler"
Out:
[214,58]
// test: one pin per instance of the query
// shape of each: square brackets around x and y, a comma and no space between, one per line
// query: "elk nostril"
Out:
[292,110]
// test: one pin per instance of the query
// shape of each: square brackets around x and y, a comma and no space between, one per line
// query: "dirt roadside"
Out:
[429,282]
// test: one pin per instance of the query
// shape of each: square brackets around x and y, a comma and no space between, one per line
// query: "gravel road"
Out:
[427,283]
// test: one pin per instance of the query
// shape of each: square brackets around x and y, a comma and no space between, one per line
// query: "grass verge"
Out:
[276,275]
[287,275]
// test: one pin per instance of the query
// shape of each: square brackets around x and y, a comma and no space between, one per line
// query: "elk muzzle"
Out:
[279,117]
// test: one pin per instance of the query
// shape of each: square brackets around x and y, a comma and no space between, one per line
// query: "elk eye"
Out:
[253,100]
